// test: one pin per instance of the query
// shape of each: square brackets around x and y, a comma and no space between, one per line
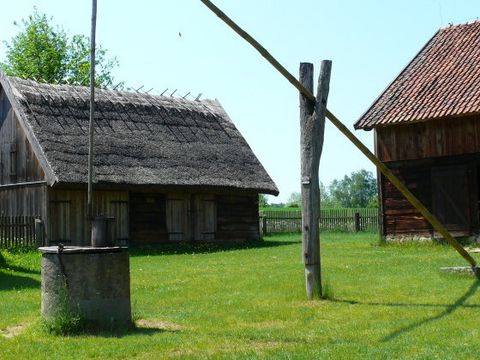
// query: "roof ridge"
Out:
[452,25]
[112,91]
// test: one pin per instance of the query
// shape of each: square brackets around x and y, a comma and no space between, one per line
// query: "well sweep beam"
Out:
[344,130]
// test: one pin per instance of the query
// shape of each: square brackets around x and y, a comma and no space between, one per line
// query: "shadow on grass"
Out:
[123,332]
[6,266]
[17,282]
[198,248]
[460,302]
[19,269]
[448,309]
[92,330]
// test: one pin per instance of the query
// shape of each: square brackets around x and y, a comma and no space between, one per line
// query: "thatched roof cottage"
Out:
[167,169]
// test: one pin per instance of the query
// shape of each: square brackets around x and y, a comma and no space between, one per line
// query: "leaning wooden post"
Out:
[312,126]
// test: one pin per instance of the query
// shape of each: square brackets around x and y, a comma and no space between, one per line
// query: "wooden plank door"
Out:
[205,218]
[147,217]
[119,210]
[450,192]
[60,227]
[177,222]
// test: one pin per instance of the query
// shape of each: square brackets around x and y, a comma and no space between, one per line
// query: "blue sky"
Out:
[368,41]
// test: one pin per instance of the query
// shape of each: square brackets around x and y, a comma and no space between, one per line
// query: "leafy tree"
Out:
[373,202]
[326,200]
[46,53]
[262,200]
[357,190]
[294,200]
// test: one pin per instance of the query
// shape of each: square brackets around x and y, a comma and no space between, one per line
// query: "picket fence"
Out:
[351,220]
[18,231]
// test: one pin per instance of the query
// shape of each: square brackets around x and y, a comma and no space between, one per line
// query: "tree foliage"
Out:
[262,200]
[45,52]
[357,190]
[294,200]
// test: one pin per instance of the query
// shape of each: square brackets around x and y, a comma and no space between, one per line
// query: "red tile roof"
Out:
[442,80]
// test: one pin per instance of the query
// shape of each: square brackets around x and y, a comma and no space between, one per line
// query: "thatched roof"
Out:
[140,139]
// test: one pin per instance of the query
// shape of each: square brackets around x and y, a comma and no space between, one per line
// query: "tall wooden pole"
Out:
[92,112]
[345,131]
[312,126]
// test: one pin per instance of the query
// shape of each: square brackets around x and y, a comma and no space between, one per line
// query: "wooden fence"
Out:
[20,231]
[352,220]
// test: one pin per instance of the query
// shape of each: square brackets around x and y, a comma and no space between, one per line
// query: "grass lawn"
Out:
[388,302]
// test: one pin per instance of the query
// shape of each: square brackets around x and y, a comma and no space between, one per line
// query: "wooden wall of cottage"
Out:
[189,216]
[20,194]
[67,214]
[149,217]
[439,161]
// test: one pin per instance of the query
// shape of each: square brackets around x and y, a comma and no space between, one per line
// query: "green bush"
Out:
[65,323]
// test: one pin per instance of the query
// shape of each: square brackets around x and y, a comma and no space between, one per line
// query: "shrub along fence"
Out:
[352,220]
[20,231]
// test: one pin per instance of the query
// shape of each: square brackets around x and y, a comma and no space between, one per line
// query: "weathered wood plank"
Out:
[443,137]
[312,124]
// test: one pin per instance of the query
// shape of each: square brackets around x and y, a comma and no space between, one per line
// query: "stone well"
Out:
[93,282]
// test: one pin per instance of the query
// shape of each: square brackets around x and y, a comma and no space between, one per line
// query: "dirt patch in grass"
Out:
[158,324]
[180,353]
[270,324]
[12,331]
[266,344]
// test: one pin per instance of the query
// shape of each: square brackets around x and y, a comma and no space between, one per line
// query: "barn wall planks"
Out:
[147,217]
[67,215]
[139,217]
[441,137]
[172,217]
[447,186]
[23,200]
[18,162]
[400,217]
[237,218]
[439,162]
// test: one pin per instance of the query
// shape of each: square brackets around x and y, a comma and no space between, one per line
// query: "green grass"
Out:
[389,302]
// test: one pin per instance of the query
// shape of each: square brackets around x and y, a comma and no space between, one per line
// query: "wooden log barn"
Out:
[427,131]
[167,169]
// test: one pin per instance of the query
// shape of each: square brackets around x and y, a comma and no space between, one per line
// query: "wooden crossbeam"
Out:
[345,131]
